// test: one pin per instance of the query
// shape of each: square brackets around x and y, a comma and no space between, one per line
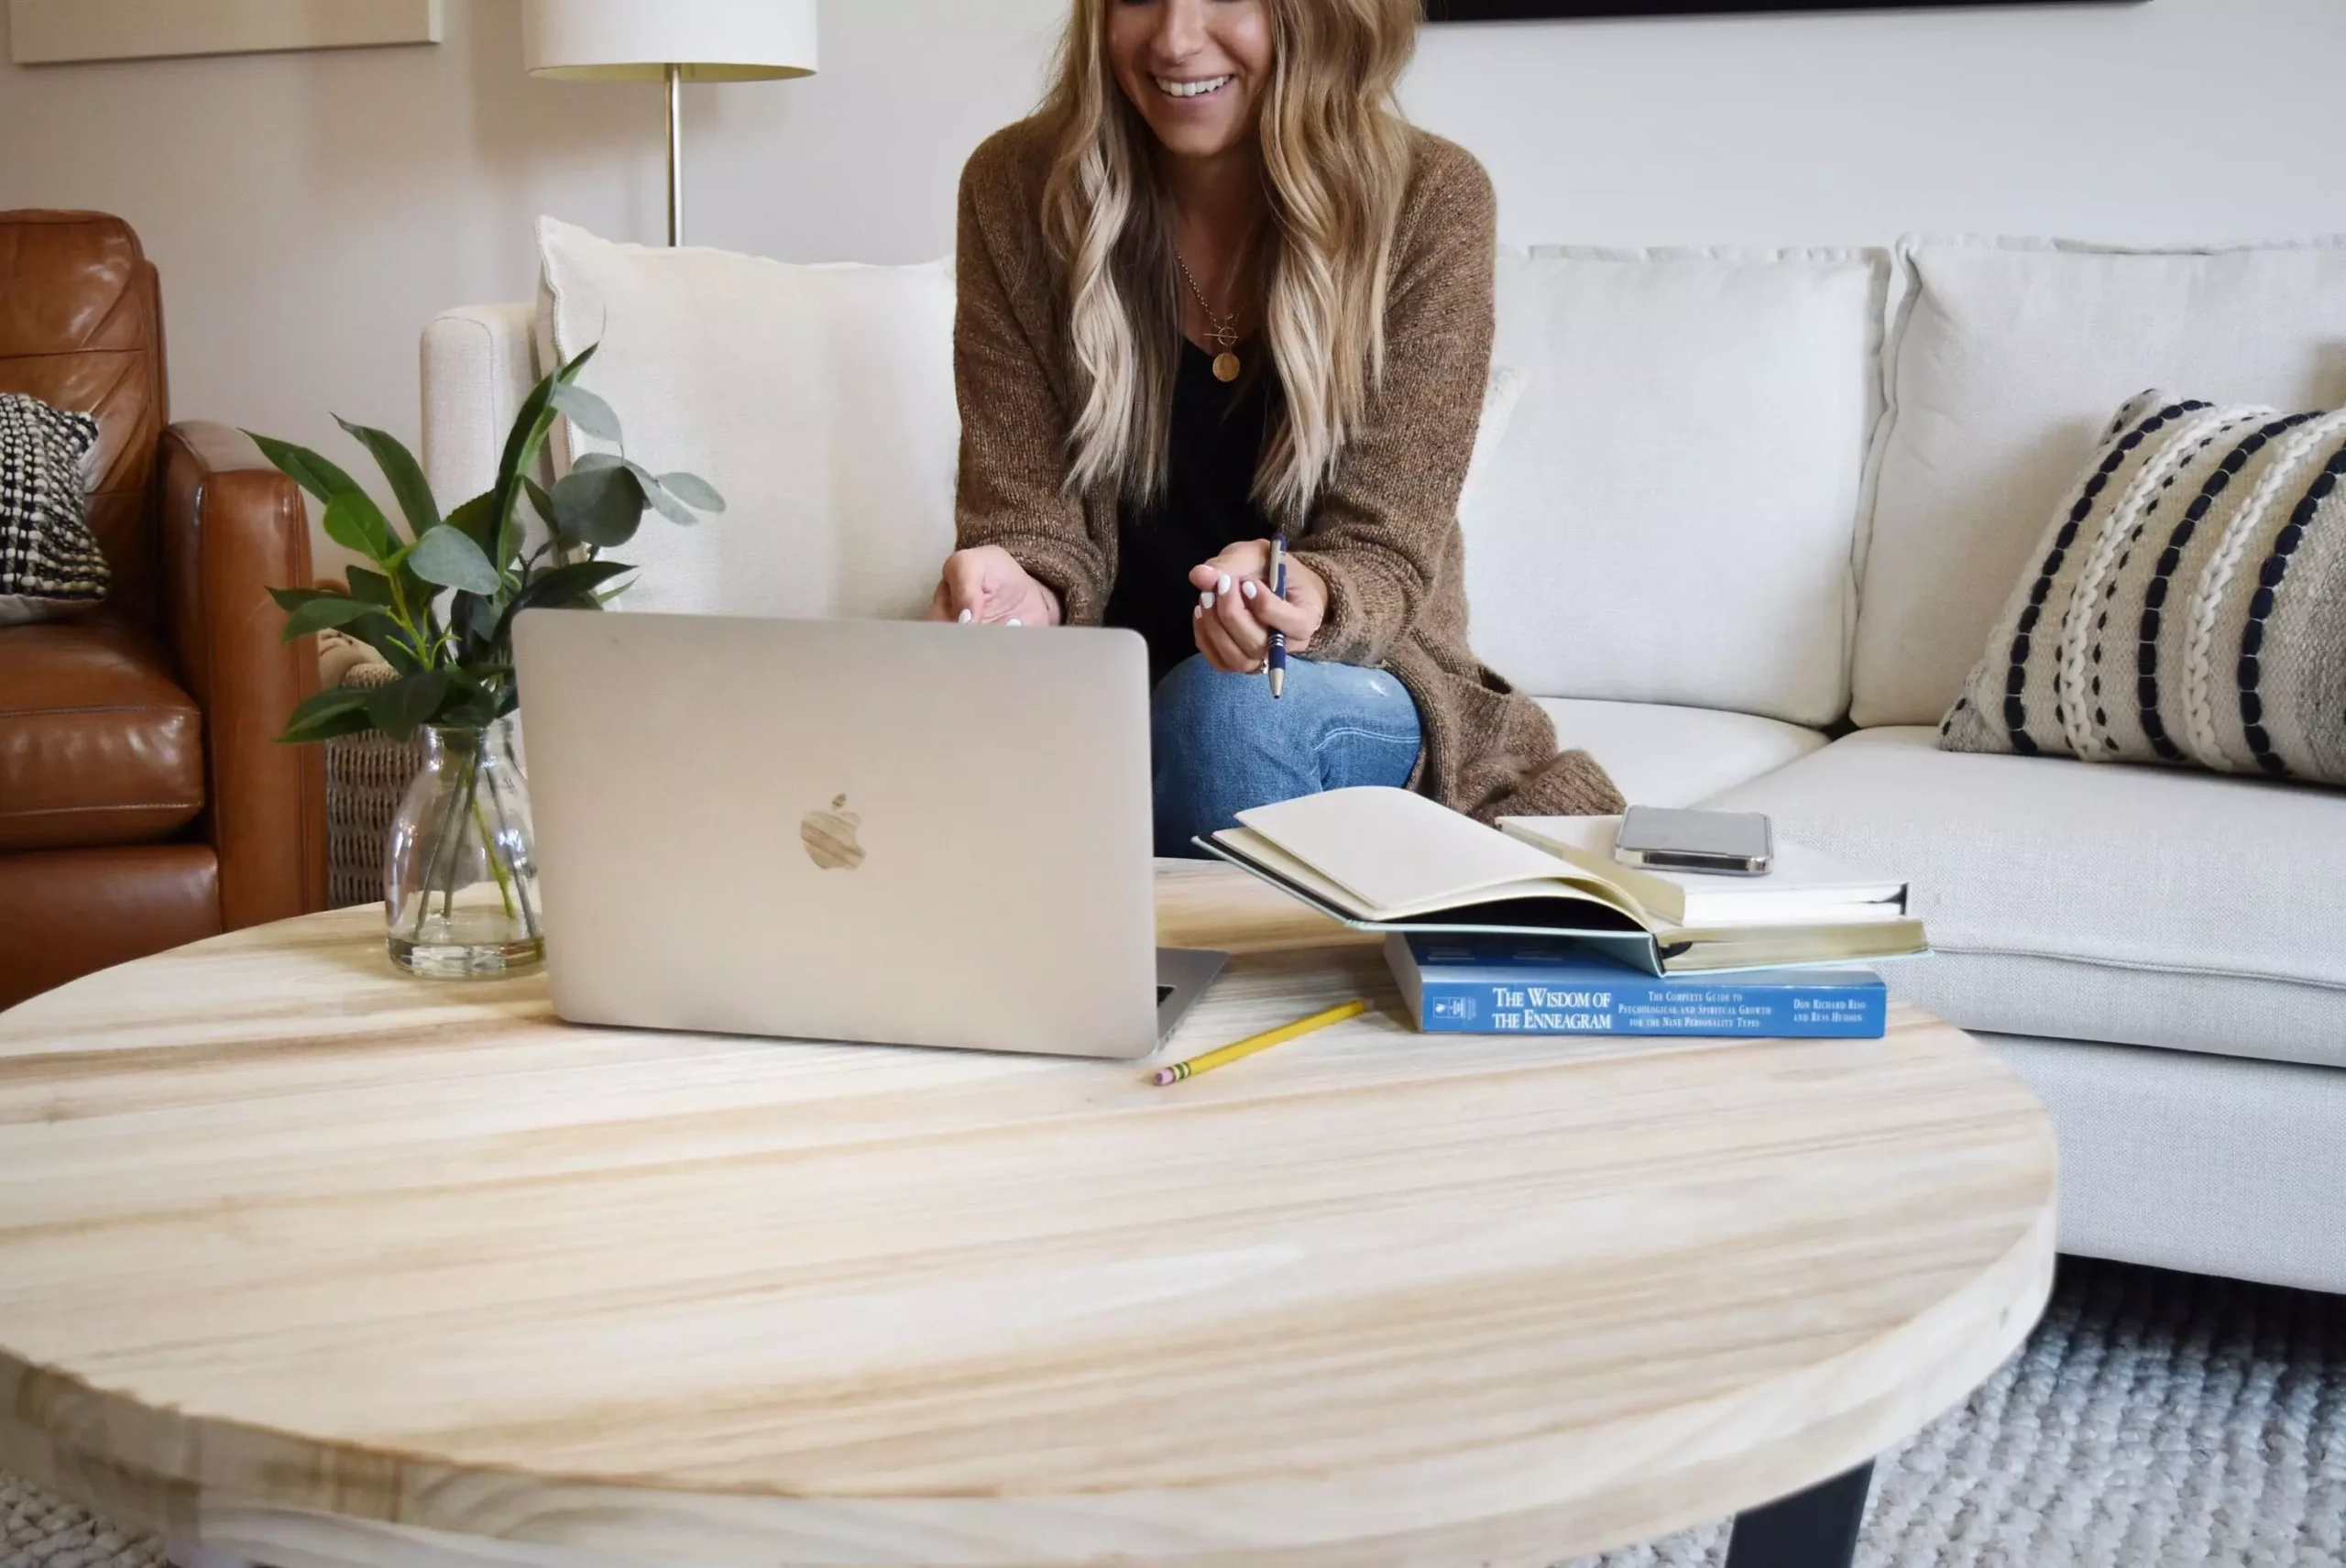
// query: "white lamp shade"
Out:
[628,41]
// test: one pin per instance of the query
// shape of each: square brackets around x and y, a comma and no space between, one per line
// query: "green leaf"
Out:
[372,586]
[579,362]
[666,505]
[566,585]
[326,703]
[382,634]
[694,491]
[539,500]
[529,427]
[354,522]
[354,723]
[447,555]
[587,413]
[406,475]
[599,506]
[656,494]
[521,442]
[475,518]
[326,610]
[476,701]
[307,469]
[561,588]
[397,708]
[587,462]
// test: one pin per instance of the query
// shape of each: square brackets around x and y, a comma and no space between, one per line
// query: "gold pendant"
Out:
[1225,365]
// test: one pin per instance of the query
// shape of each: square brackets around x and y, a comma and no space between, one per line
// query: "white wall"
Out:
[311,211]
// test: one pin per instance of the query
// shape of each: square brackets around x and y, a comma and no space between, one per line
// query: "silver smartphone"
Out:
[1726,843]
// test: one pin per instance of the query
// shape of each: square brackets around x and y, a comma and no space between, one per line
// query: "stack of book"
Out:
[1534,928]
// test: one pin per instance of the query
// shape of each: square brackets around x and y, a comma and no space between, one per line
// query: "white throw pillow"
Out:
[2007,360]
[817,399]
[1673,515]
[1500,395]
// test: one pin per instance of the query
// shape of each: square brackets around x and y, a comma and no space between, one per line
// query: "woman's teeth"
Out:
[1191,89]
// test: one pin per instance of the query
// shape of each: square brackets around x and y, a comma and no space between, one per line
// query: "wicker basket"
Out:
[366,777]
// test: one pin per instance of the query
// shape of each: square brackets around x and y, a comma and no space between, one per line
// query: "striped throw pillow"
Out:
[2187,604]
[50,562]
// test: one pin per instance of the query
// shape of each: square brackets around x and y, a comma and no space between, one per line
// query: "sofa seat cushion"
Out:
[2107,902]
[98,743]
[1660,756]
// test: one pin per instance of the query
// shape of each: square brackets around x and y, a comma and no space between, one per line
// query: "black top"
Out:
[1216,443]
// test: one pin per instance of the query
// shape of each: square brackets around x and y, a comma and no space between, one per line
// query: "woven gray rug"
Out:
[2154,1420]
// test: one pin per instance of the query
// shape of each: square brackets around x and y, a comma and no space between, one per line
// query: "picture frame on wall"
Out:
[1549,10]
[64,32]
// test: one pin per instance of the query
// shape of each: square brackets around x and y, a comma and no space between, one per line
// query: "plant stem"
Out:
[451,832]
[490,844]
[520,885]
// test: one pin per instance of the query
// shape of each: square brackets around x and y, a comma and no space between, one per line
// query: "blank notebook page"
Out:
[1392,849]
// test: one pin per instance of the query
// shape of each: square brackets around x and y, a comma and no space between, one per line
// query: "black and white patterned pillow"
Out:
[50,561]
[2187,605]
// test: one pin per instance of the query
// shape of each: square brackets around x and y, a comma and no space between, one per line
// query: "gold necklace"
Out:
[1220,330]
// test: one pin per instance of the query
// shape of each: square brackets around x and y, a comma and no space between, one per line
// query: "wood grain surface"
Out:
[321,1264]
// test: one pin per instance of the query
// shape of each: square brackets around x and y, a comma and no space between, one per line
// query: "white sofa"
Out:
[1743,534]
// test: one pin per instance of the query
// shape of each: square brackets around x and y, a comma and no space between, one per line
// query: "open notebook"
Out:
[1802,886]
[1389,859]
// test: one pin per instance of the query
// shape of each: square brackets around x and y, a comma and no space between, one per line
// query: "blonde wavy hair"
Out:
[1335,158]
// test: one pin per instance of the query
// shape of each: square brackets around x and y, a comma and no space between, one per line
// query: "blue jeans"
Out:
[1223,745]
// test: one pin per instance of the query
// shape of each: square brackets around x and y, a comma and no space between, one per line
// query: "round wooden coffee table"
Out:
[306,1262]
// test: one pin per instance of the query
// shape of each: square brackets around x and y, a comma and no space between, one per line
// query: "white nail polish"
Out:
[1205,599]
[1248,589]
[1222,586]
[965,619]
[1013,620]
[1197,612]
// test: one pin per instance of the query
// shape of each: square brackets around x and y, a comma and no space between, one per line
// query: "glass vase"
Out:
[460,886]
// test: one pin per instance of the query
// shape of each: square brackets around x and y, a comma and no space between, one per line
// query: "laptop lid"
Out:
[854,830]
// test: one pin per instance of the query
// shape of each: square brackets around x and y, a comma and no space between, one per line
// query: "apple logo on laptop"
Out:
[830,837]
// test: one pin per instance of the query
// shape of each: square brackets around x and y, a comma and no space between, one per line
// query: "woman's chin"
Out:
[1198,133]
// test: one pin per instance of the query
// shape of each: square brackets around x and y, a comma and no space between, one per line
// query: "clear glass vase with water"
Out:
[461,886]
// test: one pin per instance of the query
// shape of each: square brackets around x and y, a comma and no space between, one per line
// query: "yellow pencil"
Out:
[1262,1042]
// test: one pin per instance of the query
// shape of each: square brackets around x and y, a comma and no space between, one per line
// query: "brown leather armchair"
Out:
[143,802]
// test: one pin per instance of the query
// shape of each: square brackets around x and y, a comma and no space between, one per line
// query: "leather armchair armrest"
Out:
[232,527]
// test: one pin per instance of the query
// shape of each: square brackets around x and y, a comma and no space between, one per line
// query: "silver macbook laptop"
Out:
[849,830]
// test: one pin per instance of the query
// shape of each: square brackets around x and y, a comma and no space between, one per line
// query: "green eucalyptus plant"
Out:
[439,604]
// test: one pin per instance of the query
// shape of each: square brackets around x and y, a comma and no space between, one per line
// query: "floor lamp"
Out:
[672,40]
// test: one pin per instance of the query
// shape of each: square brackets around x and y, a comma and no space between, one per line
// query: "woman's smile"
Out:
[1202,87]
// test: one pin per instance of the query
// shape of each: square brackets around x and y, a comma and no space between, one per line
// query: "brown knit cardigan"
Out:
[1384,531]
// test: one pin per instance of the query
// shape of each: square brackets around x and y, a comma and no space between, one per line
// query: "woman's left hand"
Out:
[1237,611]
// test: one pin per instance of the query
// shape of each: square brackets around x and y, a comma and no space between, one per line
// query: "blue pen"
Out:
[1276,664]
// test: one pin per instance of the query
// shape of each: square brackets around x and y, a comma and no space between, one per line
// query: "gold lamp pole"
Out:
[674,41]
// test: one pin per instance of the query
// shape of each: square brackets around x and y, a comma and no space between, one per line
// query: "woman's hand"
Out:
[987,586]
[1237,611]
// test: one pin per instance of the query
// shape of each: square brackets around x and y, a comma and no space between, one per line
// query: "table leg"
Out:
[1816,1529]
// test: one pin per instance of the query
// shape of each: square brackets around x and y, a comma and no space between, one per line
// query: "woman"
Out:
[1219,289]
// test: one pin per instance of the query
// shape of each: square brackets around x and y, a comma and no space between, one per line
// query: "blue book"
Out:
[1522,985]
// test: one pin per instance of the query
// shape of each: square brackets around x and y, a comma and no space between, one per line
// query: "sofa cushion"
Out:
[1660,755]
[817,399]
[1672,516]
[98,743]
[2187,604]
[2135,904]
[2006,362]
